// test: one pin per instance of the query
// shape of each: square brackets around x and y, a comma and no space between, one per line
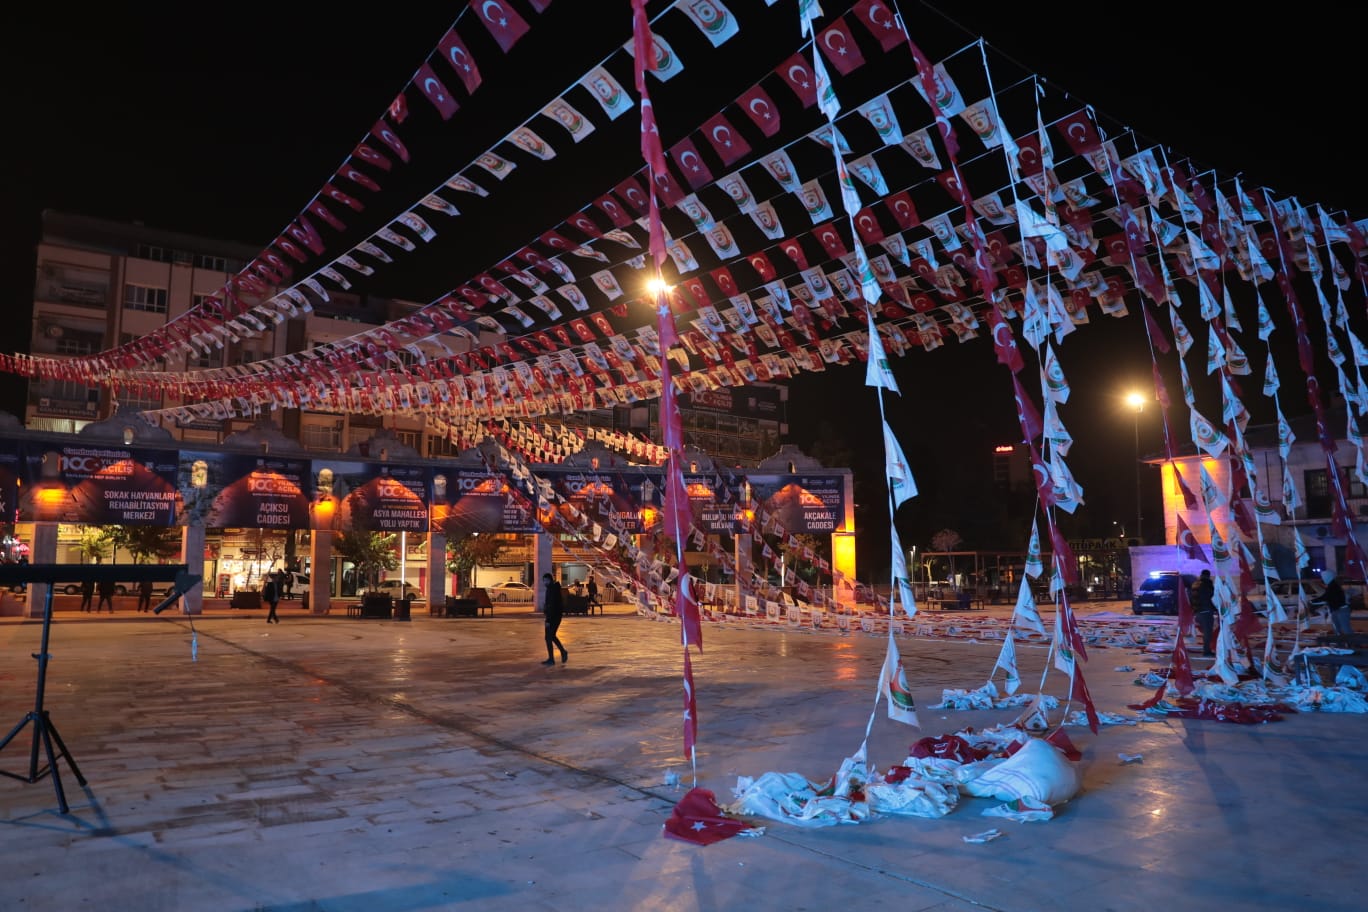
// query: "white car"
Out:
[391,588]
[511,591]
[299,586]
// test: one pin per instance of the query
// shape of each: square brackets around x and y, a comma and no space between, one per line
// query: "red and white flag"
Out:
[726,142]
[455,53]
[504,24]
[435,92]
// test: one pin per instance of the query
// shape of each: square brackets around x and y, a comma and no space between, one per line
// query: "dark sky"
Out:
[225,120]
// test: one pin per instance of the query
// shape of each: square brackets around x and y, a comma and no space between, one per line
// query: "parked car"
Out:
[392,589]
[1158,593]
[161,590]
[298,584]
[511,591]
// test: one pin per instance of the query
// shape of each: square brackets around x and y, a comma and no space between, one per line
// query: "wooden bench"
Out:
[1358,658]
[954,604]
[353,609]
[466,607]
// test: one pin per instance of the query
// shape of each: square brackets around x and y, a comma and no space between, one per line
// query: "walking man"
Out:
[270,594]
[106,592]
[553,607]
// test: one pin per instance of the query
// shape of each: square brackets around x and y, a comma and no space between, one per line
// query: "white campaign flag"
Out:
[893,687]
[900,482]
[877,371]
[1007,662]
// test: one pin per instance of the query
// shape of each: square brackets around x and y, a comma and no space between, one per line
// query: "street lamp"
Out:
[1136,403]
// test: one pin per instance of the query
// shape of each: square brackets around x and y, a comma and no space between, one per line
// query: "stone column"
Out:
[745,567]
[437,572]
[542,563]
[320,571]
[192,548]
[44,551]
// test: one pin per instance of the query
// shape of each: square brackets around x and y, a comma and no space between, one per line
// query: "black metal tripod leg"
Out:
[71,761]
[52,769]
[16,730]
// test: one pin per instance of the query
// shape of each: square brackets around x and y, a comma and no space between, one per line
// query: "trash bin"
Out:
[965,601]
[402,608]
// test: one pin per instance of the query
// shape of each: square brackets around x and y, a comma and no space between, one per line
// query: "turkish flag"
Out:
[797,73]
[725,283]
[763,267]
[726,142]
[435,92]
[696,173]
[583,222]
[666,189]
[793,249]
[385,133]
[878,18]
[699,291]
[631,191]
[867,223]
[610,207]
[900,206]
[372,157]
[454,52]
[830,239]
[839,47]
[505,25]
[759,107]
[1078,131]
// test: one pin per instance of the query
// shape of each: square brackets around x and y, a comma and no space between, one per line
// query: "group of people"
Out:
[1203,598]
[106,591]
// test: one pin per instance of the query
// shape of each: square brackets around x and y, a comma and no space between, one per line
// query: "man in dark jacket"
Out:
[1204,610]
[553,607]
[1336,602]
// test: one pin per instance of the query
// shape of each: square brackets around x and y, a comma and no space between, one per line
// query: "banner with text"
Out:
[95,484]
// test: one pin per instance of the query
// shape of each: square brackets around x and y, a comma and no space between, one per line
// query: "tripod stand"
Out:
[44,732]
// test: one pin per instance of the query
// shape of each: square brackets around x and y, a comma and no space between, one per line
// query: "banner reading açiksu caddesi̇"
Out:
[802,504]
[97,485]
[221,490]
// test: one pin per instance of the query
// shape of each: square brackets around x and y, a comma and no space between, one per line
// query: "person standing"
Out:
[270,594]
[106,593]
[87,594]
[1335,601]
[1203,595]
[145,595]
[593,595]
[553,608]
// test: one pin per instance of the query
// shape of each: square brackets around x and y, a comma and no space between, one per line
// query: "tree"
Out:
[371,552]
[466,551]
[147,542]
[96,544]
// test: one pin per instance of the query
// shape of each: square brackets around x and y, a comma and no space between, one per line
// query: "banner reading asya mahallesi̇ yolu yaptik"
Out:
[371,496]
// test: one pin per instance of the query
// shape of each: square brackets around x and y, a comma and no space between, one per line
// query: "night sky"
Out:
[225,121]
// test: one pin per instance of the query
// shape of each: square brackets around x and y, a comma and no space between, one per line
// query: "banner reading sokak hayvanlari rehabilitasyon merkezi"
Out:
[95,484]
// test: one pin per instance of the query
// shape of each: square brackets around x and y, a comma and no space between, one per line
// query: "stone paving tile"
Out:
[337,766]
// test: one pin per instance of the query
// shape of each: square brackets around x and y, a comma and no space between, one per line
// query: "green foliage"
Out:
[147,542]
[96,544]
[371,552]
[466,551]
